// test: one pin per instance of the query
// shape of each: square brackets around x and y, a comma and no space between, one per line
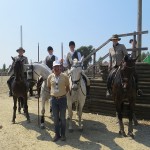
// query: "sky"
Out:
[52,22]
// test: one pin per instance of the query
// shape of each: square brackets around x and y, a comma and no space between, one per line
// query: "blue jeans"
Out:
[59,112]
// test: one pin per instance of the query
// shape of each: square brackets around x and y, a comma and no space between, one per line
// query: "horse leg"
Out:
[119,114]
[26,108]
[14,109]
[130,115]
[70,114]
[42,116]
[80,117]
[19,106]
[135,120]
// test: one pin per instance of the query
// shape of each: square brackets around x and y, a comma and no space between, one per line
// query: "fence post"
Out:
[94,61]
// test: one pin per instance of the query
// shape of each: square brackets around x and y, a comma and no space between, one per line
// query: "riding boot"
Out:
[109,90]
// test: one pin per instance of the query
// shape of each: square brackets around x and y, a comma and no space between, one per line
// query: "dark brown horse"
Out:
[19,87]
[124,87]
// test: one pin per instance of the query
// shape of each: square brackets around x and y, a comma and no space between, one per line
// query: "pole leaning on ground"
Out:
[38,93]
[62,56]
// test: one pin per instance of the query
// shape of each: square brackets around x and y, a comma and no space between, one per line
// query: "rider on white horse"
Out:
[69,61]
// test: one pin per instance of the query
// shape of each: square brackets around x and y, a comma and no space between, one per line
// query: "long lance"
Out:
[62,55]
[38,93]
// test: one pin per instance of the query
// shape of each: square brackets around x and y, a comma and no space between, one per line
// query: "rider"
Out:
[116,54]
[50,58]
[72,55]
[20,51]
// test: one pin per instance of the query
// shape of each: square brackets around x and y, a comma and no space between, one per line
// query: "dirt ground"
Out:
[100,132]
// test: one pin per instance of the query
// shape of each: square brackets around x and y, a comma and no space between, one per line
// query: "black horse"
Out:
[124,86]
[19,88]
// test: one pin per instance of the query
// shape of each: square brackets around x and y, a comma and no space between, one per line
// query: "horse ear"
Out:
[13,58]
[126,57]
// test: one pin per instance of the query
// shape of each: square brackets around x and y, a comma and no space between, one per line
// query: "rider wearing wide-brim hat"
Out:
[20,56]
[116,55]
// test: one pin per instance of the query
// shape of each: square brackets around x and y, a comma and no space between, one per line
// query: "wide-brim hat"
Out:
[20,49]
[115,37]
[56,63]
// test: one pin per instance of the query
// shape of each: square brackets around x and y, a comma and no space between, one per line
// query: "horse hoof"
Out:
[70,130]
[131,135]
[122,133]
[13,122]
[28,121]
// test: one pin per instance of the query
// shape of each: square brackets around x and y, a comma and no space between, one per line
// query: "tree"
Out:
[85,51]
[144,55]
[4,67]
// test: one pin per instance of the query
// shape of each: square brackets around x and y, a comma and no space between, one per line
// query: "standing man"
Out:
[116,54]
[58,84]
[69,59]
[49,62]
[50,58]
[133,43]
[20,51]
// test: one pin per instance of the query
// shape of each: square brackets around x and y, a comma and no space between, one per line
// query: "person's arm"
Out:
[124,50]
[26,61]
[110,61]
[67,84]
[79,55]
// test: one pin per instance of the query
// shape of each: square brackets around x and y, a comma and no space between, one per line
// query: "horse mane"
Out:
[42,65]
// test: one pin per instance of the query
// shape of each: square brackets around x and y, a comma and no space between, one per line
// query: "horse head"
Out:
[18,67]
[35,70]
[75,74]
[128,69]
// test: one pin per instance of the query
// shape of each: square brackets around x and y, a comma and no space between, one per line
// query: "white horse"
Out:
[77,92]
[34,71]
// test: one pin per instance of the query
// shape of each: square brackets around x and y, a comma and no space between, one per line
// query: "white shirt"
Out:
[65,63]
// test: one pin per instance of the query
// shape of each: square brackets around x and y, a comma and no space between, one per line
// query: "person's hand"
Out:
[61,60]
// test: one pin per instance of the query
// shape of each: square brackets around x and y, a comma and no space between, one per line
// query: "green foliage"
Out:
[144,55]
[85,51]
[4,67]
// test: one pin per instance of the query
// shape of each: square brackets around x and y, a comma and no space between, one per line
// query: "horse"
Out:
[77,92]
[19,88]
[124,86]
[36,70]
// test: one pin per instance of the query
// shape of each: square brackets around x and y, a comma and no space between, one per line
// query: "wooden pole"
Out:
[139,28]
[38,52]
[38,94]
[21,35]
[62,55]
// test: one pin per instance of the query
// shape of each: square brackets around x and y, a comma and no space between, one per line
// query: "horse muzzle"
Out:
[74,87]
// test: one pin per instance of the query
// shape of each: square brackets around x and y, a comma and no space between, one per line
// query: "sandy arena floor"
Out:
[100,132]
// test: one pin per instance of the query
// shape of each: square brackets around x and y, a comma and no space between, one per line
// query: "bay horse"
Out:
[77,92]
[124,86]
[19,88]
[42,71]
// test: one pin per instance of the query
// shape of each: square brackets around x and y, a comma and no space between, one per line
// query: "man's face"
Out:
[57,69]
[20,52]
[50,52]
[72,47]
[115,41]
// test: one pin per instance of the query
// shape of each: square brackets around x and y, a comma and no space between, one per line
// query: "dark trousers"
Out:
[59,112]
